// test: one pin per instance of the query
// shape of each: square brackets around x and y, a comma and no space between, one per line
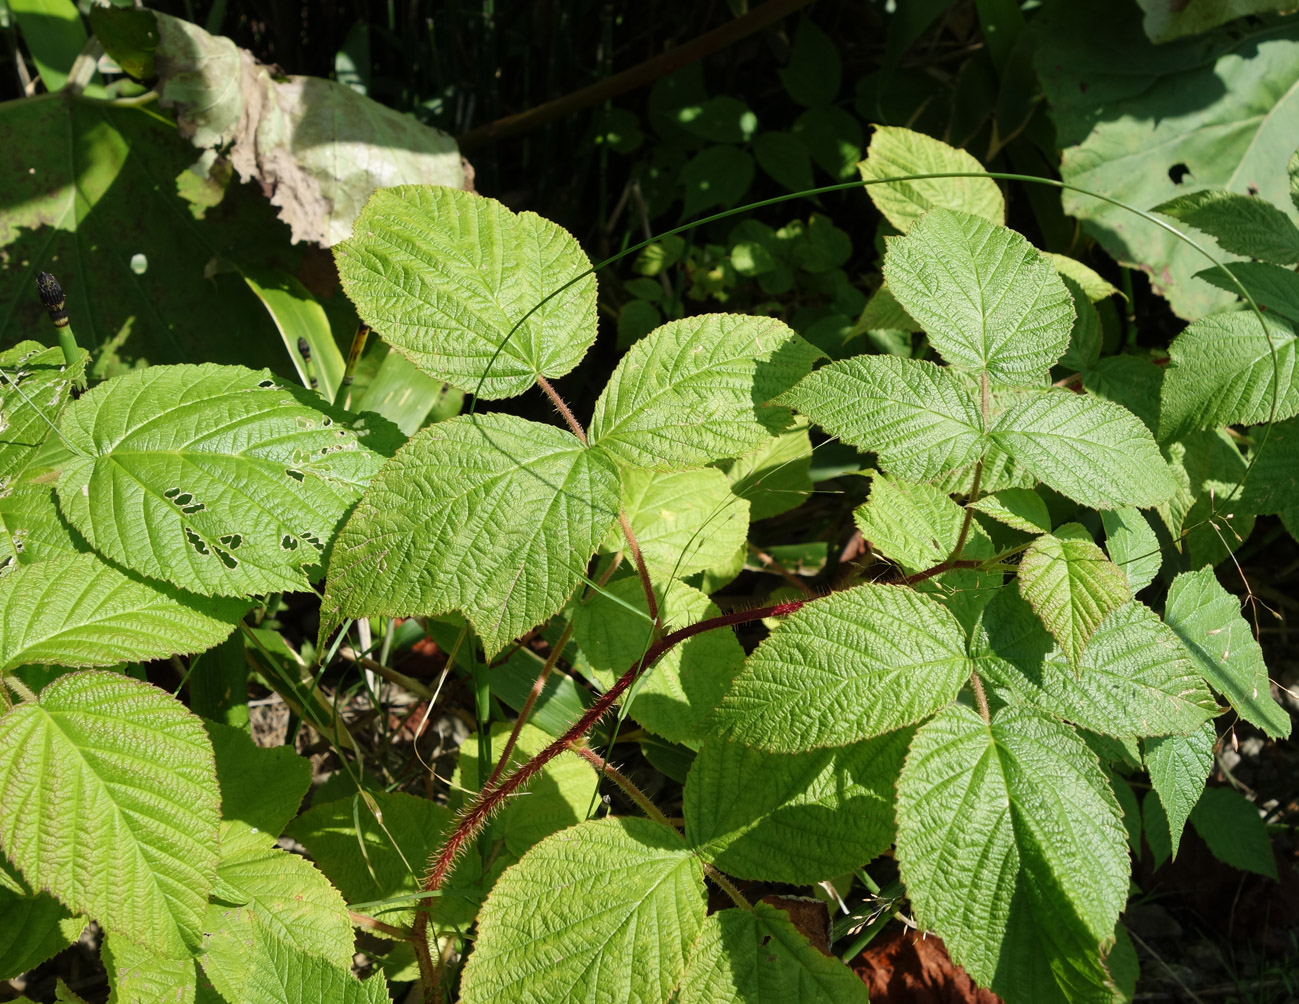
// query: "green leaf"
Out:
[785,158]
[130,840]
[213,477]
[776,477]
[1179,766]
[916,525]
[1132,679]
[1011,845]
[34,387]
[1272,485]
[919,420]
[986,297]
[31,528]
[759,957]
[137,974]
[1207,619]
[259,786]
[1154,824]
[834,138]
[1071,585]
[1132,546]
[1095,452]
[812,76]
[607,910]
[1165,23]
[527,501]
[299,316]
[717,176]
[852,665]
[684,521]
[371,859]
[1274,289]
[1225,370]
[1095,286]
[1231,826]
[34,926]
[1021,508]
[884,311]
[1207,517]
[1241,224]
[722,119]
[1086,338]
[1128,805]
[895,151]
[681,689]
[793,817]
[75,610]
[446,275]
[698,390]
[1130,381]
[54,35]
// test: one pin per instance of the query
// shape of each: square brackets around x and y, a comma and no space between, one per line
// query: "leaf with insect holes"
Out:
[987,298]
[699,390]
[1178,767]
[34,387]
[213,477]
[31,528]
[491,515]
[895,151]
[1207,619]
[605,910]
[759,957]
[852,665]
[1012,848]
[919,419]
[77,610]
[793,817]
[445,275]
[127,838]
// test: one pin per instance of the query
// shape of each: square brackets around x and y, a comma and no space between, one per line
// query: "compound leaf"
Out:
[1179,766]
[847,667]
[698,390]
[446,275]
[491,515]
[128,838]
[986,297]
[213,477]
[607,910]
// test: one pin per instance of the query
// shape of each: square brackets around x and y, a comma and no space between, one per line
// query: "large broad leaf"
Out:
[1179,766]
[1225,369]
[137,974]
[1011,846]
[212,477]
[606,910]
[33,925]
[1221,112]
[129,839]
[1068,580]
[94,199]
[1164,22]
[491,515]
[698,390]
[759,957]
[1207,619]
[445,276]
[847,667]
[31,528]
[679,691]
[1207,517]
[894,151]
[919,420]
[1132,679]
[985,296]
[793,817]
[75,610]
[1093,451]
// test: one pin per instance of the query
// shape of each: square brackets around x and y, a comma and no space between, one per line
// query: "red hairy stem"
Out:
[940,568]
[525,712]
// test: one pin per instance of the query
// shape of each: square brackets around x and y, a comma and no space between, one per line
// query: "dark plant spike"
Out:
[53,300]
[304,350]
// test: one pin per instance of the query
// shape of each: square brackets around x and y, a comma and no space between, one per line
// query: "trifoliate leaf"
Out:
[793,817]
[698,390]
[605,910]
[445,275]
[1021,508]
[75,610]
[1071,585]
[1095,452]
[34,926]
[1132,546]
[775,477]
[759,957]
[1132,679]
[684,521]
[920,421]
[1230,825]
[847,667]
[213,477]
[491,515]
[1179,766]
[1227,370]
[1241,224]
[679,691]
[1010,842]
[895,151]
[260,786]
[1207,619]
[1274,289]
[129,839]
[986,297]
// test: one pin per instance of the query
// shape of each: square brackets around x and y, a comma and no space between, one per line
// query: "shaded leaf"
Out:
[1230,825]
[1242,224]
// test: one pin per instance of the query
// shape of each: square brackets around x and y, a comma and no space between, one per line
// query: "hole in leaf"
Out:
[314,541]
[6,563]
[289,543]
[226,557]
[171,493]
[190,510]
[265,384]
[1178,172]
[196,541]
[183,500]
[297,476]
[233,540]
